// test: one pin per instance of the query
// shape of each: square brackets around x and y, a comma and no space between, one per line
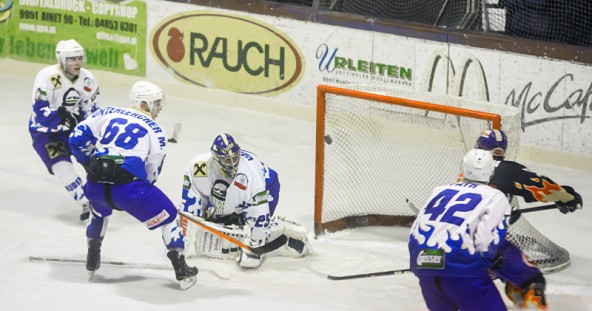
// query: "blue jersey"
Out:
[458,231]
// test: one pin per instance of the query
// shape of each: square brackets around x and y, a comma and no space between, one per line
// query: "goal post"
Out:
[349,119]
[381,150]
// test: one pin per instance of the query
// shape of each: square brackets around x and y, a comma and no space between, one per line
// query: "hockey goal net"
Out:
[381,150]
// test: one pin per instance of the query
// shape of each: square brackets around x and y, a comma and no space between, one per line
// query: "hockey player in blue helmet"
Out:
[226,153]
[525,284]
[235,192]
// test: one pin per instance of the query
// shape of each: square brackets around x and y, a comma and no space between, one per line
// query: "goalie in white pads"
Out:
[237,194]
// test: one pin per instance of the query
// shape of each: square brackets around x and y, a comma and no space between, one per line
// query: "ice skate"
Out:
[93,257]
[185,275]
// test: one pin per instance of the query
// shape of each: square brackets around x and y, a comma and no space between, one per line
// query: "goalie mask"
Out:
[478,165]
[149,93]
[226,153]
[68,53]
[495,141]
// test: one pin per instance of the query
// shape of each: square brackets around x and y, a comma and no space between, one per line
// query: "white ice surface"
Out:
[38,218]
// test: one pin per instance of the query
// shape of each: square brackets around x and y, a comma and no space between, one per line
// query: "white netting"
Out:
[382,155]
[548,256]
[378,157]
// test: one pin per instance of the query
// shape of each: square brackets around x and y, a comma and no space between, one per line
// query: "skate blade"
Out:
[188,282]
[90,275]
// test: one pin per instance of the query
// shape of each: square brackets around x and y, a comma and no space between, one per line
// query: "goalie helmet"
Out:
[478,165]
[67,51]
[144,91]
[226,153]
[495,141]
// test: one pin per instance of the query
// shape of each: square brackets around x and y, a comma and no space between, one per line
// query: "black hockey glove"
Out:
[572,205]
[514,217]
[69,119]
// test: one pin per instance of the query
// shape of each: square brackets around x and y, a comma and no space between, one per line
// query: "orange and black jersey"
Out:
[514,179]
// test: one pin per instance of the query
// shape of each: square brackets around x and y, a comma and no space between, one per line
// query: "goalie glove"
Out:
[571,206]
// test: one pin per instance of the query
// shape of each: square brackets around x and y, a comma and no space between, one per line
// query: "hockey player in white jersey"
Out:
[237,194]
[455,238]
[123,150]
[63,95]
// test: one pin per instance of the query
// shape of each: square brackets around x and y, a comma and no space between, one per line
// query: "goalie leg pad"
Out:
[297,244]
[205,243]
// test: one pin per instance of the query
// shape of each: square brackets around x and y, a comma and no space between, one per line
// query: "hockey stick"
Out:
[412,206]
[367,275]
[535,209]
[176,132]
[519,211]
[121,264]
[273,245]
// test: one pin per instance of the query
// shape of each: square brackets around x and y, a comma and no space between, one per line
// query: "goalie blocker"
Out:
[287,239]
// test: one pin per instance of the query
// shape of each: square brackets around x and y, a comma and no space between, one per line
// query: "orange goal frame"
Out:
[322,91]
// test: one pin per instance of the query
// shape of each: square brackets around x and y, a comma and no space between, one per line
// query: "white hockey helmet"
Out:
[478,165]
[66,49]
[144,91]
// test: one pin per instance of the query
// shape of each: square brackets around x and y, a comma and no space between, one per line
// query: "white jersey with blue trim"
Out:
[130,133]
[53,89]
[207,191]
[459,230]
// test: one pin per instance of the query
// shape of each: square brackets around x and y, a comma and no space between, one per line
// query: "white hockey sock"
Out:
[172,235]
[64,172]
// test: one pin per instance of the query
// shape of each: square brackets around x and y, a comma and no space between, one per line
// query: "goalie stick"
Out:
[121,264]
[176,132]
[273,245]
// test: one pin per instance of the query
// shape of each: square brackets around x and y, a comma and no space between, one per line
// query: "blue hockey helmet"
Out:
[495,141]
[226,153]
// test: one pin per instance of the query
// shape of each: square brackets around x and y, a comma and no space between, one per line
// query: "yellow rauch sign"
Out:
[230,52]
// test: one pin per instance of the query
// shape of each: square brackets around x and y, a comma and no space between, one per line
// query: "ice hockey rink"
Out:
[38,218]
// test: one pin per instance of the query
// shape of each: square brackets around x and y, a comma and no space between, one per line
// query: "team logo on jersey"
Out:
[430,259]
[218,196]
[200,169]
[71,98]
[56,80]
[241,181]
[260,198]
[88,84]
[56,149]
[186,182]
[41,95]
